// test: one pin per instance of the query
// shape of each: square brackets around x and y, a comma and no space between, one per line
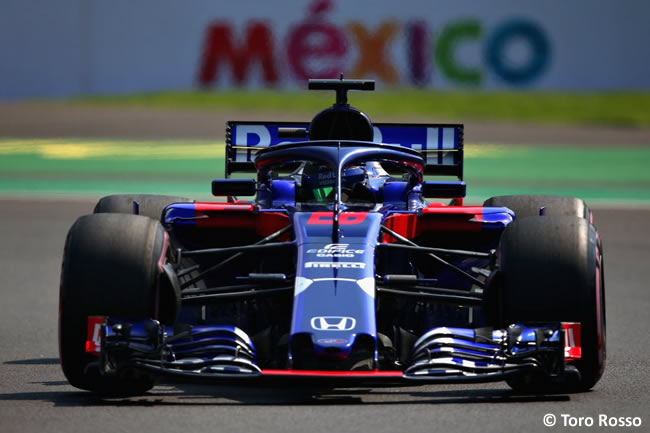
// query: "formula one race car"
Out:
[340,270]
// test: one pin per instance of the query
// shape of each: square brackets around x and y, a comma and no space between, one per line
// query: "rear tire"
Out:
[529,205]
[552,271]
[150,205]
[110,268]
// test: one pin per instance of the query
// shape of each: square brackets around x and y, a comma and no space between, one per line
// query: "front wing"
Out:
[226,353]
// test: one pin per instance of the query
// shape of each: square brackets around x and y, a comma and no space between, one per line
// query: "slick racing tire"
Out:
[110,268]
[552,271]
[529,205]
[150,205]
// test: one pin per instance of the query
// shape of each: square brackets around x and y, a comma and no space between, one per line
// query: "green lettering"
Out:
[453,35]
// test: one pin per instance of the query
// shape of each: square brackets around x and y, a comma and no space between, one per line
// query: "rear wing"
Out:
[440,144]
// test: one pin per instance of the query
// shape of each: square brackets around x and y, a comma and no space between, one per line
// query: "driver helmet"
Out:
[320,179]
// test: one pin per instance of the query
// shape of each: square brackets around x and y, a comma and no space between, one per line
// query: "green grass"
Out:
[95,167]
[613,109]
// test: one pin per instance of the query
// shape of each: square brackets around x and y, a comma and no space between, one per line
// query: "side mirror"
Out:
[228,187]
[443,189]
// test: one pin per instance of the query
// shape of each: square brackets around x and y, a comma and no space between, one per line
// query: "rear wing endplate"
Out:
[440,144]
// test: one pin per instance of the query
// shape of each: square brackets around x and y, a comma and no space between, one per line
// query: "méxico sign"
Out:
[74,47]
[517,51]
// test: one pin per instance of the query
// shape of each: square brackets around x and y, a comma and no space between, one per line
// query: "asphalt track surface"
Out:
[34,395]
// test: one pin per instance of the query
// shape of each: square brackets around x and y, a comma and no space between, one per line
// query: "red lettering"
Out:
[320,218]
[317,49]
[219,47]
[346,218]
[352,218]
[320,6]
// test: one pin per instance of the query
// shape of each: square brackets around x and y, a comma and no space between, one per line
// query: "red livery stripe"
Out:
[241,207]
[240,215]
[441,218]
[456,210]
[320,373]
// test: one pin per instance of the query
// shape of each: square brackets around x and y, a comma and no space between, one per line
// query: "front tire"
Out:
[552,271]
[110,268]
[529,205]
[150,205]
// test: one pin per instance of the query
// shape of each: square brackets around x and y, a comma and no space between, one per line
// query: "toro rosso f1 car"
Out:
[337,262]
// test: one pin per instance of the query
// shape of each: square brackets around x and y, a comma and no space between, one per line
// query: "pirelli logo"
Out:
[336,265]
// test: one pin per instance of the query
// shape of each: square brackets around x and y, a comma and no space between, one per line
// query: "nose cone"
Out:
[333,326]
[332,348]
[333,336]
[336,319]
[312,351]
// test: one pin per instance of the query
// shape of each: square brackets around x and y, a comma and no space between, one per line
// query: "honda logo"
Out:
[333,323]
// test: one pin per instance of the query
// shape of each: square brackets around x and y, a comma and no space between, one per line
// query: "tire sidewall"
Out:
[92,285]
[537,288]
